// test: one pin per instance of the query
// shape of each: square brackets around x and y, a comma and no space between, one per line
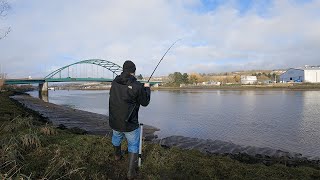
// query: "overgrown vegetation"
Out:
[177,78]
[264,76]
[30,148]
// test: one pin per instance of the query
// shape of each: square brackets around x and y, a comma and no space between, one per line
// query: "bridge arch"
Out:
[115,68]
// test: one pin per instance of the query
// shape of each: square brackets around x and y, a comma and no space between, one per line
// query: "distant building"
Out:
[182,85]
[309,74]
[248,79]
[208,83]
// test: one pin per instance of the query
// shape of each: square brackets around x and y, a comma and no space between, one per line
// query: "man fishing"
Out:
[126,96]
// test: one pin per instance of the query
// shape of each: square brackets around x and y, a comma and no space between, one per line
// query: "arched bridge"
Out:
[68,74]
[114,68]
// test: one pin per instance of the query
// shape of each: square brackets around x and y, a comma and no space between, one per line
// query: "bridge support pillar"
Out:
[43,91]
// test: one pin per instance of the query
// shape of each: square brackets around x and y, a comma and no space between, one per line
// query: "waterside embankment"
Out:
[33,149]
[251,153]
[97,124]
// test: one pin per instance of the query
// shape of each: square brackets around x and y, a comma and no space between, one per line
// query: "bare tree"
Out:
[4,9]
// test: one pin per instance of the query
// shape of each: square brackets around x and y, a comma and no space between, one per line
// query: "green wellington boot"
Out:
[133,164]
[117,153]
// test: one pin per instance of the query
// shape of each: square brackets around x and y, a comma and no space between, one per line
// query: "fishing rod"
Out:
[162,58]
[141,124]
[153,73]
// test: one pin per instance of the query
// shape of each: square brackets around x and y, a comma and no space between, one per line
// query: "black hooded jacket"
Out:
[126,96]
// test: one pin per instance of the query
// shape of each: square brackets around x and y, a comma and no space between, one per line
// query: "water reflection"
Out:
[309,133]
[43,96]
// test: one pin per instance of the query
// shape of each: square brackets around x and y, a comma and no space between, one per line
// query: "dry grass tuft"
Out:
[10,158]
[15,175]
[48,130]
[12,172]
[30,141]
[59,164]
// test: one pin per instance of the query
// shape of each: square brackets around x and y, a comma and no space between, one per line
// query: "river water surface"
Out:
[285,120]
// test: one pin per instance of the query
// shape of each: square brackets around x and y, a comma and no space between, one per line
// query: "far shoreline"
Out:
[278,86]
[273,87]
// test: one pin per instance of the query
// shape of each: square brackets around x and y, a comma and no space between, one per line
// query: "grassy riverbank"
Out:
[32,148]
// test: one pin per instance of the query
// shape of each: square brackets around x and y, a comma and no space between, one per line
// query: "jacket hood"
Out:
[125,78]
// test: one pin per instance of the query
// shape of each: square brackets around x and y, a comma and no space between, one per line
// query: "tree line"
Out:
[265,76]
[177,78]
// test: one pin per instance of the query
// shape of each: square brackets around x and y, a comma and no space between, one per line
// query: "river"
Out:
[279,119]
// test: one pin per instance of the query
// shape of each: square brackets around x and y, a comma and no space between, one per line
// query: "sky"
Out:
[216,35]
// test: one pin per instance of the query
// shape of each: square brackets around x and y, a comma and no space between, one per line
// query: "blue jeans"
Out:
[132,137]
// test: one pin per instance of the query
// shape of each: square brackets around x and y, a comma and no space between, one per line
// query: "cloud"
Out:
[216,37]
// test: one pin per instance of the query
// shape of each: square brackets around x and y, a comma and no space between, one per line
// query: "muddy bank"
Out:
[244,153]
[93,123]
